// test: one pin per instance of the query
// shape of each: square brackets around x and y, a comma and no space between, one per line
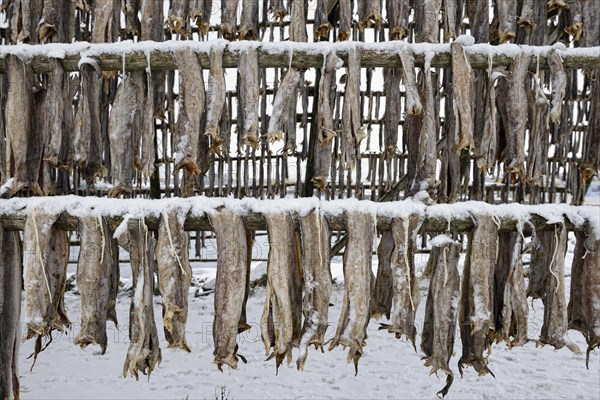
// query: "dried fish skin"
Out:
[413,104]
[439,327]
[406,296]
[554,329]
[58,259]
[352,326]
[147,134]
[345,25]
[322,25]
[475,313]
[192,99]
[20,123]
[228,19]
[316,239]
[352,131]
[93,280]
[178,16]
[54,112]
[120,133]
[506,12]
[462,92]
[174,275]
[232,273]
[575,308]
[526,17]
[381,303]
[249,96]
[298,21]
[284,283]
[151,12]
[285,101]
[398,12]
[144,353]
[113,283]
[11,273]
[249,21]
[130,9]
[559,84]
[215,101]
[450,19]
[369,12]
[541,243]
[591,294]
[488,146]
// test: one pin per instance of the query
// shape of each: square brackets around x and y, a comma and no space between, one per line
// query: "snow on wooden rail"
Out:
[459,217]
[159,55]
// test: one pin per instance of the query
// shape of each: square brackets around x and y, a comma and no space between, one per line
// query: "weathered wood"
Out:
[270,55]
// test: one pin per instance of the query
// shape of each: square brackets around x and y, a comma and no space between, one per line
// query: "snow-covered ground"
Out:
[390,368]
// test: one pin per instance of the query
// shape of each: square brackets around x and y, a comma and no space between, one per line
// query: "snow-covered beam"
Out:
[159,55]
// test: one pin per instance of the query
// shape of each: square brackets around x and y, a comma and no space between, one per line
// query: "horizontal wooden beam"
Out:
[137,55]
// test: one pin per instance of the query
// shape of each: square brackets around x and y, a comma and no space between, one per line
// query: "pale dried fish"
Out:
[322,25]
[316,239]
[298,21]
[591,294]
[559,84]
[178,15]
[381,302]
[507,18]
[575,308]
[369,12]
[104,18]
[228,19]
[392,118]
[462,94]
[249,96]
[488,144]
[51,21]
[352,131]
[451,20]
[398,12]
[345,26]
[526,18]
[249,21]
[427,12]
[479,16]
[215,101]
[130,9]
[439,327]
[285,101]
[54,113]
[352,326]
[541,243]
[278,10]
[413,101]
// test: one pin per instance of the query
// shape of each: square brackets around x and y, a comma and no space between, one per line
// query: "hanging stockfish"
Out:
[191,108]
[113,283]
[277,9]
[575,309]
[427,12]
[147,133]
[196,13]
[104,20]
[439,327]
[298,21]
[179,14]
[559,84]
[541,243]
[88,136]
[590,162]
[352,326]
[381,302]
[215,102]
[391,87]
[11,272]
[591,294]
[479,16]
[526,18]
[554,329]
[506,12]
[345,25]
[451,19]
[516,123]
[234,251]
[591,31]
[228,19]
[249,96]
[413,104]
[406,296]
[398,12]
[20,123]
[174,274]
[144,352]
[54,113]
[325,132]
[488,143]
[369,12]
[51,22]
[45,259]
[316,239]
[284,102]
[66,151]
[249,22]
[130,9]
[537,156]
[462,94]
[204,23]
[575,27]
[352,131]
[93,280]
[322,25]
[21,21]
[120,128]
[280,324]
[510,301]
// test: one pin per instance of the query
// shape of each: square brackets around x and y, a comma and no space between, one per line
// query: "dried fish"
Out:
[462,94]
[575,308]
[228,19]
[554,329]
[428,13]
[191,108]
[510,303]
[120,128]
[559,84]
[233,258]
[591,31]
[285,101]
[130,9]
[439,327]
[174,275]
[369,11]
[93,280]
[104,20]
[51,21]
[345,26]
[479,15]
[178,15]
[381,302]
[506,11]
[113,283]
[11,273]
[21,21]
[151,11]
[147,132]
[204,24]
[352,130]
[54,113]
[249,22]
[298,21]
[325,132]
[413,101]
[591,294]
[391,88]
[215,101]
[278,10]
[352,326]
[488,144]
[196,12]
[475,313]
[526,18]
[541,243]
[322,25]
[144,352]
[398,12]
[249,96]
[451,19]
[406,296]
[316,239]
[280,324]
